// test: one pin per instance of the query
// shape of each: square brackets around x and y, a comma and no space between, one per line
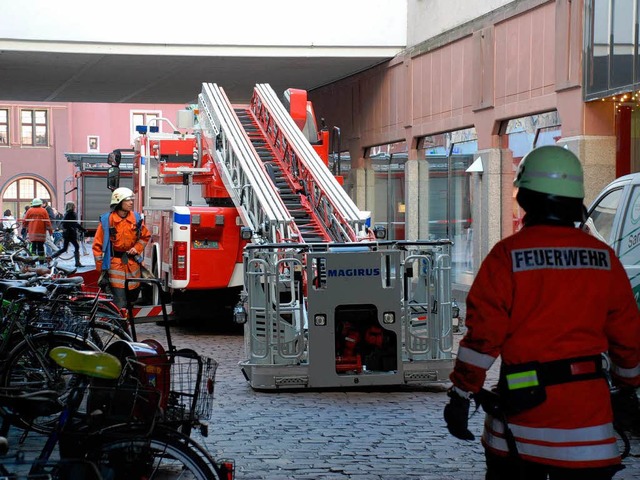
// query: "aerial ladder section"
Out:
[282,188]
[332,208]
[247,181]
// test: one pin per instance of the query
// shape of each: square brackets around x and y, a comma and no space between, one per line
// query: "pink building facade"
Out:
[438,131]
[34,138]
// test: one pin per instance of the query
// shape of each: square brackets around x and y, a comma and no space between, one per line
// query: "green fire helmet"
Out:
[553,170]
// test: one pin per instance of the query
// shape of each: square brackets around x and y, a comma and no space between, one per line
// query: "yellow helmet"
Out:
[120,194]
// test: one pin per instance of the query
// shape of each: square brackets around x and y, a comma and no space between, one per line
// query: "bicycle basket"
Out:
[179,384]
[192,385]
[140,391]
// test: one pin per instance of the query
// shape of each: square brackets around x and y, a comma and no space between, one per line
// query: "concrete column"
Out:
[413,210]
[598,157]
[491,201]
[416,201]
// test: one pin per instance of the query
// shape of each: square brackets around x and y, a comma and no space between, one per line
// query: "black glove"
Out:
[626,408]
[456,414]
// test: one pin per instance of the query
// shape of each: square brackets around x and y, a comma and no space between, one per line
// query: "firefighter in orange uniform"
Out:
[118,246]
[549,300]
[37,223]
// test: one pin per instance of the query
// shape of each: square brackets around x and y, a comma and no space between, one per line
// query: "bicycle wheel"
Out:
[101,333]
[29,368]
[161,455]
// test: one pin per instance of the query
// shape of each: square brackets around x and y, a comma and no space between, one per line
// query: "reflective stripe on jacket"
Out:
[551,293]
[592,446]
[126,237]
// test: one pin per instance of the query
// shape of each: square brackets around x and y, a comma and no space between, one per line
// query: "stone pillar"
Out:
[360,177]
[598,157]
[412,198]
[416,200]
[491,201]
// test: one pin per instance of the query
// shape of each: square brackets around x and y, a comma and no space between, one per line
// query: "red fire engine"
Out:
[196,245]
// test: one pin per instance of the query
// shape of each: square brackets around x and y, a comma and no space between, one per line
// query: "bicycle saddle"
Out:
[32,293]
[92,364]
[74,281]
[7,284]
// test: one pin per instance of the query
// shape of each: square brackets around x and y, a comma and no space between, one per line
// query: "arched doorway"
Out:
[19,193]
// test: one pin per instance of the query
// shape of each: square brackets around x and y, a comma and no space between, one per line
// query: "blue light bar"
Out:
[154,129]
[141,129]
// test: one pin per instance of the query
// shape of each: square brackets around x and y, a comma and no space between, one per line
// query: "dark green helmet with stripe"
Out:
[551,170]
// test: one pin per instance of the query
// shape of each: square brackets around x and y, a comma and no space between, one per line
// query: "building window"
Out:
[4,126]
[19,194]
[448,202]
[148,118]
[611,47]
[387,162]
[34,128]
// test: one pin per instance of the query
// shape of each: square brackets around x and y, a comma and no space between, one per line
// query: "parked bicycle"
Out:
[34,321]
[31,405]
[99,444]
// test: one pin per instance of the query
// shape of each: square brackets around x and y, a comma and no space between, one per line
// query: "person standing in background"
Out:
[37,223]
[118,245]
[70,228]
[9,224]
[23,227]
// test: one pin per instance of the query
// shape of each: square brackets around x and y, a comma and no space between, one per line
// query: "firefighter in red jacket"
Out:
[549,300]
[118,245]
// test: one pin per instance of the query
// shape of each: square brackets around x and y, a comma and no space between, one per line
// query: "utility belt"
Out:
[523,386]
[120,254]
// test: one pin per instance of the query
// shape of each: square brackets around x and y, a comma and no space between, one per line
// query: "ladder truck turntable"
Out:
[324,302]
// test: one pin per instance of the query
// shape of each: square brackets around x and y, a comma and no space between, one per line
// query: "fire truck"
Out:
[324,299]
[88,181]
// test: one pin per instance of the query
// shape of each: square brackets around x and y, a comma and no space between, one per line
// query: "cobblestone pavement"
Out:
[357,435]
[347,435]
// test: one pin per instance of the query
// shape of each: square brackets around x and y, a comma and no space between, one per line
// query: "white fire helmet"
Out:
[120,194]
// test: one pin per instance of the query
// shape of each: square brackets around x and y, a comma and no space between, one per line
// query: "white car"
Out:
[614,217]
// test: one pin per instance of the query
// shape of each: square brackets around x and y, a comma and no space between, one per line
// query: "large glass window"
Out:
[598,47]
[4,126]
[19,193]
[448,156]
[623,27]
[611,47]
[387,162]
[34,128]
[521,135]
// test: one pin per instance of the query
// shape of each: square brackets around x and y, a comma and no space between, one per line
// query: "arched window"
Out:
[19,194]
